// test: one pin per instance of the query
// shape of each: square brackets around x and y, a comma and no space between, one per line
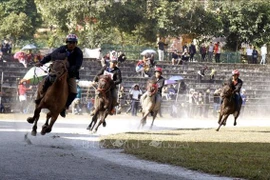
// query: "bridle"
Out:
[103,90]
[150,90]
[64,72]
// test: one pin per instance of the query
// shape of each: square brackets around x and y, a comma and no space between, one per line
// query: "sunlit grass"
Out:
[233,152]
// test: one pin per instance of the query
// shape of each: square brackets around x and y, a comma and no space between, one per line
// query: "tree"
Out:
[19,19]
[245,21]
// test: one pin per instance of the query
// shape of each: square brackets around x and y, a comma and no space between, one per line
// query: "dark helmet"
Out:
[72,38]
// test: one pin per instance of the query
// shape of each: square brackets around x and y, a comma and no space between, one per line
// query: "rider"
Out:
[116,77]
[159,79]
[236,84]
[75,58]
[160,83]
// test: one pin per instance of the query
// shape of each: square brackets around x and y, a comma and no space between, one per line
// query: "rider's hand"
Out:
[38,64]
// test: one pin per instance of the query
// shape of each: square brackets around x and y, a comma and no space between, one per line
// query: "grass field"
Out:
[234,152]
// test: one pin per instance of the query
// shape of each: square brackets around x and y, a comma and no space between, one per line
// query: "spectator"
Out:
[135,95]
[38,57]
[76,104]
[192,52]
[217,101]
[206,103]
[212,74]
[105,61]
[185,58]
[217,50]
[201,73]
[244,100]
[175,57]
[122,98]
[263,53]
[152,60]
[249,54]
[203,52]
[143,66]
[22,93]
[200,104]
[161,48]
[254,55]
[210,51]
[90,105]
[182,88]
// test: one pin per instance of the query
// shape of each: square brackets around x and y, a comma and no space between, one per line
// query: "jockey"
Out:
[116,77]
[159,79]
[75,58]
[236,84]
[160,83]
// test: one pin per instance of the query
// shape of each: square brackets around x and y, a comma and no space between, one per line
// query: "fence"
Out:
[133,53]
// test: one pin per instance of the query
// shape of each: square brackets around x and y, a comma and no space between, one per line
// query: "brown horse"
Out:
[103,102]
[151,103]
[228,106]
[54,99]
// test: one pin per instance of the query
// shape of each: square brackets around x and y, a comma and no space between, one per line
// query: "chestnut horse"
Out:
[228,106]
[54,99]
[150,102]
[103,101]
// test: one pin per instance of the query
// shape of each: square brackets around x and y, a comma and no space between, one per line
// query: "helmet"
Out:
[72,38]
[235,72]
[158,69]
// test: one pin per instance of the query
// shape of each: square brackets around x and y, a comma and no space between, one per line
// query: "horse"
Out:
[54,99]
[103,102]
[150,102]
[228,106]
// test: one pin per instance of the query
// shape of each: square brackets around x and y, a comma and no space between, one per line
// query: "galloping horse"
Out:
[151,103]
[54,99]
[228,106]
[103,101]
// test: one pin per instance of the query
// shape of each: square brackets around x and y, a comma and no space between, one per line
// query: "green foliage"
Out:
[19,19]
[245,21]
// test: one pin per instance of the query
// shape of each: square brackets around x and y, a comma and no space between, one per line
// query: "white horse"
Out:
[151,103]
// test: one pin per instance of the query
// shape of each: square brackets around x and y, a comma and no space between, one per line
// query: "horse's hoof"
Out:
[30,120]
[234,124]
[43,132]
[88,128]
[104,124]
[217,129]
[34,133]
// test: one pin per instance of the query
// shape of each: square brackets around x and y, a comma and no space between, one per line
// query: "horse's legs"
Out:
[102,120]
[154,117]
[236,114]
[94,121]
[143,120]
[48,116]
[222,121]
[34,120]
[219,117]
[47,129]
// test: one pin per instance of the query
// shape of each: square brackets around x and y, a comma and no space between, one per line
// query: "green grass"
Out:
[249,160]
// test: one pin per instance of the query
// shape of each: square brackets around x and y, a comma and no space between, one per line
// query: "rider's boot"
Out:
[71,97]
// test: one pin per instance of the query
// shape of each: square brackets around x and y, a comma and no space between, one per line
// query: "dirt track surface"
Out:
[71,152]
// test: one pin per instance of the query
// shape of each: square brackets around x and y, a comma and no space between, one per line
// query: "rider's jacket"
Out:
[160,82]
[75,59]
[116,74]
[237,85]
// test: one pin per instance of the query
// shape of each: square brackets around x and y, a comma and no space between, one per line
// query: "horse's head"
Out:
[59,68]
[152,88]
[104,83]
[226,91]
